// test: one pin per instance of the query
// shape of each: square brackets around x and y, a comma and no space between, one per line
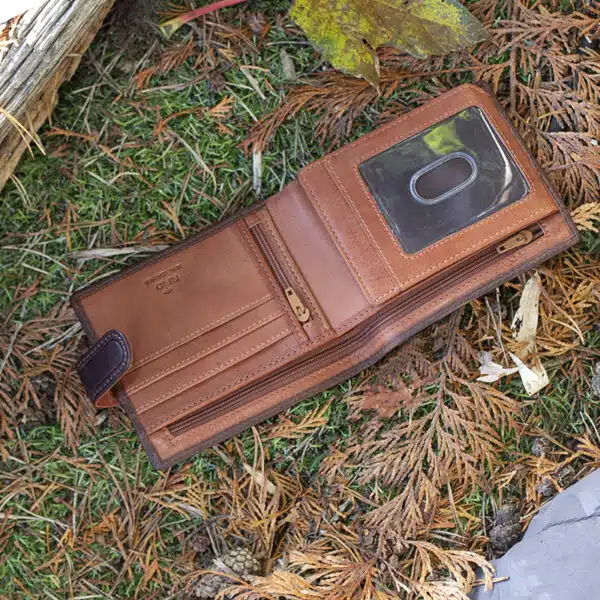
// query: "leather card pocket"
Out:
[168,303]
[212,343]
[198,320]
[220,373]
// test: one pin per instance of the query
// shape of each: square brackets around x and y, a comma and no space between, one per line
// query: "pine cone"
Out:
[199,543]
[563,476]
[506,531]
[238,562]
[241,562]
[367,539]
[210,585]
[545,488]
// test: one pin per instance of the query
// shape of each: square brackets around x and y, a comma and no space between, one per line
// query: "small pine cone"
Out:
[506,531]
[545,488]
[565,476]
[210,585]
[241,562]
[367,539]
[562,476]
[199,543]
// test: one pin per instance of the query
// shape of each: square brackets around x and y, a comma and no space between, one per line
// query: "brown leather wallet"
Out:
[368,246]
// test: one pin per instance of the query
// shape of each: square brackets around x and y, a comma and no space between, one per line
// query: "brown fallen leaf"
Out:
[387,402]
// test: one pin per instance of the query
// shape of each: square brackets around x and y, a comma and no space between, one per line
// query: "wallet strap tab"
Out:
[103,365]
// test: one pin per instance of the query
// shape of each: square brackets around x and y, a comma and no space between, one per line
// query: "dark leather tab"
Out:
[103,365]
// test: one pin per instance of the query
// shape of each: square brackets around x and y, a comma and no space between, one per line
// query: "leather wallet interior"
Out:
[369,245]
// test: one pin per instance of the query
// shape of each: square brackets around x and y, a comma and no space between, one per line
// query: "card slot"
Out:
[205,392]
[186,293]
[225,358]
[364,237]
[201,346]
[203,330]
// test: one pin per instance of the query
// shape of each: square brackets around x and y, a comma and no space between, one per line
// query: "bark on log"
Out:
[41,51]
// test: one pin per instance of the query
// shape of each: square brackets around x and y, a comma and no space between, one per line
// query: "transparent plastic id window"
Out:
[443,179]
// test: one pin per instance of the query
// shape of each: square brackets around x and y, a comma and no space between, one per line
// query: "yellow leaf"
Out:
[349,31]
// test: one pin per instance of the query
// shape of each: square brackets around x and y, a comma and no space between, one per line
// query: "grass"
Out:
[117,182]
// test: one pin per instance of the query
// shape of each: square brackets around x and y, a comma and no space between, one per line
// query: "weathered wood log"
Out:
[40,52]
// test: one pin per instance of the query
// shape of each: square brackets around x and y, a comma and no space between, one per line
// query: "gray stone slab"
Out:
[559,555]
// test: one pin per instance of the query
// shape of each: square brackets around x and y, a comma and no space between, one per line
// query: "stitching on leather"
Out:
[113,376]
[269,365]
[458,234]
[383,147]
[357,358]
[380,130]
[173,417]
[454,236]
[429,249]
[205,375]
[269,278]
[107,380]
[283,251]
[338,183]
[203,329]
[203,352]
[332,229]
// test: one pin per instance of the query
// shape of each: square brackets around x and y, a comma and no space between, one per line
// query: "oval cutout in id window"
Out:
[443,179]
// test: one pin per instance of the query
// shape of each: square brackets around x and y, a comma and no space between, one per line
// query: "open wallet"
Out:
[369,245]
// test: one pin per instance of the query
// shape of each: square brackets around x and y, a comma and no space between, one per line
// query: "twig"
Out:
[513,62]
[177,87]
[25,134]
[96,253]
[196,155]
[253,83]
[68,334]
[480,582]
[172,25]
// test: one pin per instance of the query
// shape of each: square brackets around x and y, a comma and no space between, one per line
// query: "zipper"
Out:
[299,309]
[354,340]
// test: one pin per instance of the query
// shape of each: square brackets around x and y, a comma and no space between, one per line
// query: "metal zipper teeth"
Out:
[305,365]
[293,299]
[270,256]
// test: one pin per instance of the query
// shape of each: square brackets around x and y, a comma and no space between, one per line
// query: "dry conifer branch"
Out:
[38,373]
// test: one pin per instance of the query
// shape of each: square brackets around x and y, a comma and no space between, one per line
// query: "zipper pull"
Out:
[302,313]
[516,241]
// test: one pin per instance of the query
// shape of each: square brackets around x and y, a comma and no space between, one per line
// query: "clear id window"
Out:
[443,179]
